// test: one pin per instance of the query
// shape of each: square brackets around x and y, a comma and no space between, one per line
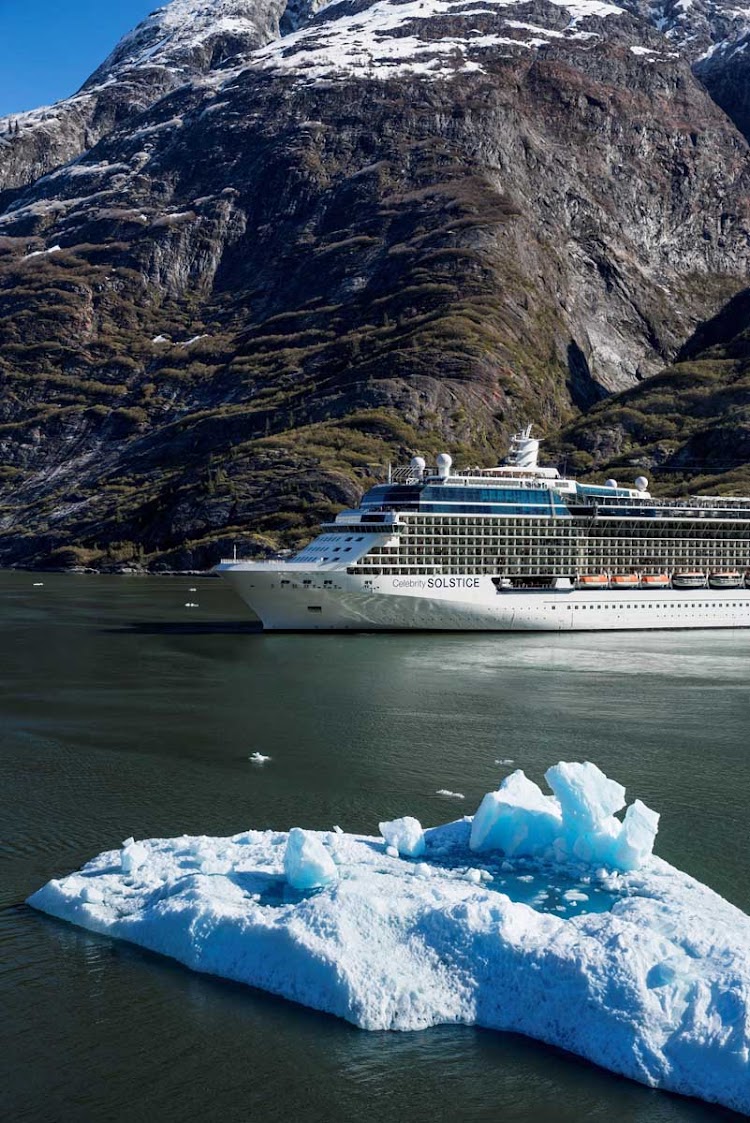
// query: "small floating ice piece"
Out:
[406,835]
[449,794]
[307,863]
[191,604]
[38,585]
[508,761]
[259,758]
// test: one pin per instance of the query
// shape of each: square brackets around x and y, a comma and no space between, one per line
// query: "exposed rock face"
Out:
[177,44]
[714,36]
[690,425]
[298,255]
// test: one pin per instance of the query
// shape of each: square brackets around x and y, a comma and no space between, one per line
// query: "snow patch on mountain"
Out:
[391,37]
[182,35]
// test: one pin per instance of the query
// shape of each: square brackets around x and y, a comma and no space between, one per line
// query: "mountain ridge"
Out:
[399,226]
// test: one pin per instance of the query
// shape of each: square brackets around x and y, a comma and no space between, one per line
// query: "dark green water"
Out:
[123,712]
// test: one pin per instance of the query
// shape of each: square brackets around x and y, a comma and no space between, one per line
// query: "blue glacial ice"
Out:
[545,914]
[307,863]
[577,823]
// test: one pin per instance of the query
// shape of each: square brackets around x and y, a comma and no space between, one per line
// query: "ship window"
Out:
[314,608]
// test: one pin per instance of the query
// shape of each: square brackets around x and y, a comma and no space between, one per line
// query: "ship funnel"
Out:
[524,450]
[444,462]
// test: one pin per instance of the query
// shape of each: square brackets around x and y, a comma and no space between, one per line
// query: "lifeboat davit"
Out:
[594,581]
[725,579]
[625,581]
[687,579]
[655,580]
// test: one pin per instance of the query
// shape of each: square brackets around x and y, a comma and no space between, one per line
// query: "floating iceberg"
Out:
[547,915]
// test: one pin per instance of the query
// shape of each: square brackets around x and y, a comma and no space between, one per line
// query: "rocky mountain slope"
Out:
[273,247]
[714,37]
[689,426]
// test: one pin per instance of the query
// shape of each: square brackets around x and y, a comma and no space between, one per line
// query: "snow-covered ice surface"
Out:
[645,972]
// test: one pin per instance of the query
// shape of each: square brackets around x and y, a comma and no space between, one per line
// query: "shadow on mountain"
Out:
[721,330]
[583,388]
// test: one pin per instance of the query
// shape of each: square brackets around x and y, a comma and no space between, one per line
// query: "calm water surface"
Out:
[124,712]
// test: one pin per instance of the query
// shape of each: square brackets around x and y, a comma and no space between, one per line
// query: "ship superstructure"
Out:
[513,547]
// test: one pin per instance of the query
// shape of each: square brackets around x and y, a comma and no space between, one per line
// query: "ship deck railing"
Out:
[527,477]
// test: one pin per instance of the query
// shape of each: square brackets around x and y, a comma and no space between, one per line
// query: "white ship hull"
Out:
[287,597]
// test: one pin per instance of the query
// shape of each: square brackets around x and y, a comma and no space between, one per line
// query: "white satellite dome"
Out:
[418,465]
[444,462]
[641,483]
[611,483]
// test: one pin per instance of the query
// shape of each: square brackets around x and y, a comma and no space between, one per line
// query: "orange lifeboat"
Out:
[655,580]
[625,581]
[594,581]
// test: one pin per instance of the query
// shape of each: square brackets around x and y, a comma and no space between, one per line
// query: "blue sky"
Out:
[49,47]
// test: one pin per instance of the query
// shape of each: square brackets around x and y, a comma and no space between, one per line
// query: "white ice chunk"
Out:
[307,863]
[577,824]
[635,843]
[517,819]
[132,855]
[405,835]
[585,794]
[575,896]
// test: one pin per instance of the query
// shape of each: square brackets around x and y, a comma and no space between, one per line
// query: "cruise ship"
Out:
[513,548]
